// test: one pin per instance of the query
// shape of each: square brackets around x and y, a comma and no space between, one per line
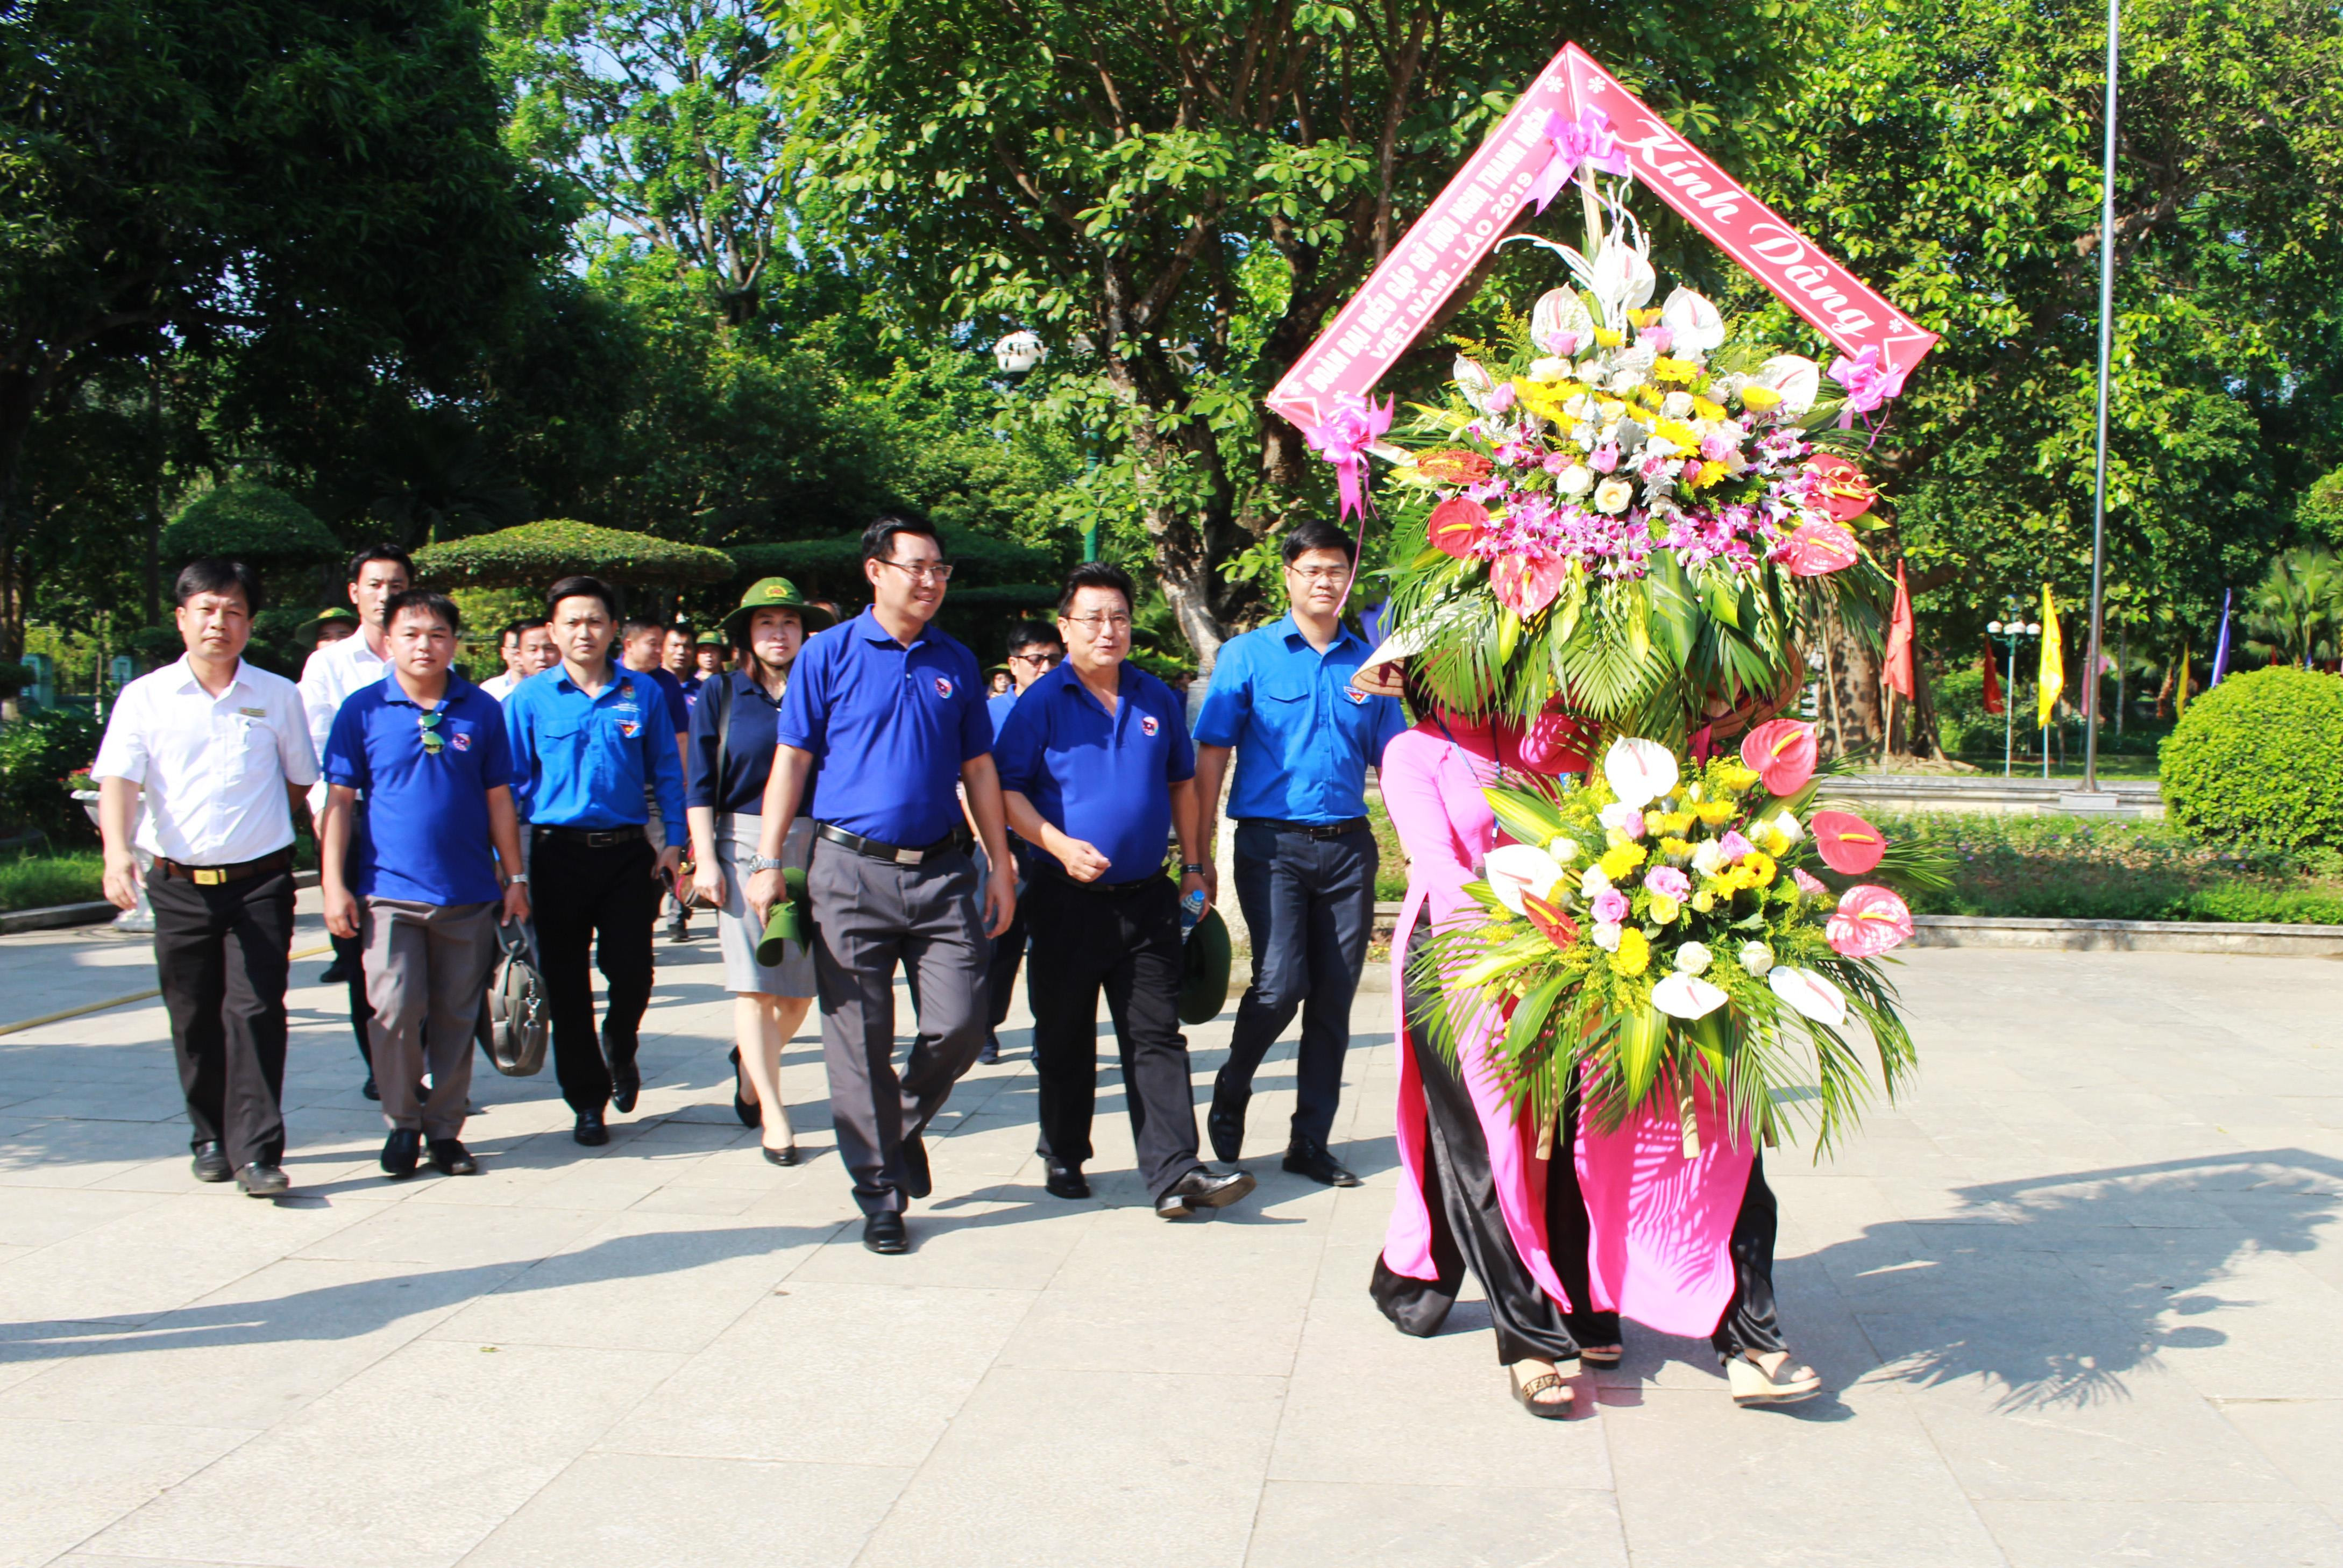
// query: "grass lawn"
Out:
[37,882]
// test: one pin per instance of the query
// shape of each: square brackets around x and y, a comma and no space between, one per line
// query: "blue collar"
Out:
[871,630]
[394,692]
[1289,630]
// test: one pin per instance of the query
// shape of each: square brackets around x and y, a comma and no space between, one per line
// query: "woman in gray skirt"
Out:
[730,756]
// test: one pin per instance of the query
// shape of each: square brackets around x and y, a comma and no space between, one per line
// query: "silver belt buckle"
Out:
[910,857]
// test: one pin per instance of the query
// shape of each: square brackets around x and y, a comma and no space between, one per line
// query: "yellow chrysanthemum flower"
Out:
[1759,867]
[1708,409]
[1609,337]
[1620,859]
[1759,398]
[1713,812]
[1676,430]
[1648,315]
[1665,369]
[1772,839]
[1634,954]
[1732,775]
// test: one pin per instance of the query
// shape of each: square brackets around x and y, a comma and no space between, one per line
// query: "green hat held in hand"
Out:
[791,920]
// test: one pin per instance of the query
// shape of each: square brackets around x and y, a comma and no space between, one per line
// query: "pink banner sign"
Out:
[1478,207]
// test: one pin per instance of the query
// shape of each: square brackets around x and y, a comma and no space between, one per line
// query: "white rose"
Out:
[1626,378]
[1756,957]
[1553,369]
[1676,405]
[1709,857]
[1564,851]
[1693,958]
[1621,817]
[1606,936]
[1575,480]
[1591,881]
[1613,495]
[1787,824]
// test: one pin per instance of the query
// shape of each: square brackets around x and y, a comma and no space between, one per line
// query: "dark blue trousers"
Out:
[1309,905]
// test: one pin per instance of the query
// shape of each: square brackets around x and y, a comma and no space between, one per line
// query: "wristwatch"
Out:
[1192,868]
[761,863]
[521,877]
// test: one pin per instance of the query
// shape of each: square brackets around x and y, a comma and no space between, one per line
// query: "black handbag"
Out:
[514,1022]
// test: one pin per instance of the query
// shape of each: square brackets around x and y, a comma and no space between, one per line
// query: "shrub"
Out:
[2257,762]
[39,753]
[536,555]
[252,523]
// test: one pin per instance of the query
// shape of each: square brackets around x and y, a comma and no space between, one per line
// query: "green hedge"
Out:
[534,555]
[249,522]
[38,754]
[2257,762]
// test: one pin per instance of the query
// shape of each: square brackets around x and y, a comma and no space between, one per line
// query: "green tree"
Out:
[2293,612]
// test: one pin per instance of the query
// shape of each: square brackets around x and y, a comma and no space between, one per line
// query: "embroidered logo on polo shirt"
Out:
[1146,725]
[943,685]
[460,741]
[1358,698]
[628,727]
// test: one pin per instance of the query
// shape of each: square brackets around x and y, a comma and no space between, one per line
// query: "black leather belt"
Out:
[898,854]
[1307,829]
[591,838]
[216,876]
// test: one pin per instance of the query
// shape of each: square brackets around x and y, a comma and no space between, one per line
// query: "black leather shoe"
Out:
[749,1114]
[626,1083]
[920,1182]
[370,1091]
[260,1180]
[885,1233]
[590,1130]
[990,1055]
[335,974]
[450,1158]
[1065,1181]
[211,1164]
[399,1153]
[1224,1123]
[1313,1161]
[1202,1188]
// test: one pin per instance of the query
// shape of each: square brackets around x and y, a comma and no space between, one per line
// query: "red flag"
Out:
[1898,662]
[1991,681]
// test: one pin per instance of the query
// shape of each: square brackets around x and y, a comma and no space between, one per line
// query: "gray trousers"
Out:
[426,967]
[870,916]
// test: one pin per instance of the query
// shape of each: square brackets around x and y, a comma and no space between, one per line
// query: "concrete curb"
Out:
[58,916]
[2088,936]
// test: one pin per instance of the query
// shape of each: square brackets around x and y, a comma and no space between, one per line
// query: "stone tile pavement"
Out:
[2076,1301]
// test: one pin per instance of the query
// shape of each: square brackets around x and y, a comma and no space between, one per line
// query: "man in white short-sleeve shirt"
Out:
[220,753]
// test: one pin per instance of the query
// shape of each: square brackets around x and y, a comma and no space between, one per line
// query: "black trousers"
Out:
[1749,1323]
[221,955]
[350,953]
[1468,1227]
[604,900]
[1008,948]
[1125,940]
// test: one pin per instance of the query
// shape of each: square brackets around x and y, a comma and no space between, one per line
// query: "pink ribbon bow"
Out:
[1343,439]
[1867,382]
[1585,140]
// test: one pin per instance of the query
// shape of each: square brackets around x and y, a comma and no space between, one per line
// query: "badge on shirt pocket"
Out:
[1358,698]
[460,741]
[943,685]
[1146,725]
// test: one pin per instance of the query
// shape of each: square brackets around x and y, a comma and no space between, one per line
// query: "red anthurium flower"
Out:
[1526,586]
[1817,549]
[1847,843]
[1457,525]
[1846,492]
[1781,752]
[1869,921]
[1559,928]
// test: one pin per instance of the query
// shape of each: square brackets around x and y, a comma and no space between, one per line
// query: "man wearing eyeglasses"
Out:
[1098,772]
[412,873]
[890,709]
[1034,650]
[1305,859]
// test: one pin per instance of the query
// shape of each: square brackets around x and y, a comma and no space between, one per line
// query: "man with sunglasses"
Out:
[1305,859]
[890,709]
[412,872]
[1034,650]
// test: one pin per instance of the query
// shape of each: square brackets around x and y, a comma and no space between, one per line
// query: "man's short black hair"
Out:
[636,625]
[216,574]
[1028,634]
[879,539]
[1318,534]
[513,629]
[438,605]
[382,552]
[1097,573]
[613,605]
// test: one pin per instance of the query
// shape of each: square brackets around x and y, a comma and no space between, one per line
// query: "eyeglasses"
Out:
[1092,625]
[1046,660]
[428,723]
[1321,573]
[920,571]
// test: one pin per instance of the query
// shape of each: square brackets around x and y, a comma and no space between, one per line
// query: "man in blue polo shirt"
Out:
[593,749]
[419,773]
[892,710]
[1305,859]
[1097,771]
[1034,649]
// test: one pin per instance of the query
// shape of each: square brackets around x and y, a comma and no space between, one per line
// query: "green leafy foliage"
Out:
[533,554]
[2257,762]
[39,754]
[250,522]
[44,881]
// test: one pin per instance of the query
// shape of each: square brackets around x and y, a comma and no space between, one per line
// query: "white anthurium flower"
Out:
[1621,817]
[1698,326]
[1694,958]
[1676,405]
[1549,368]
[1613,495]
[1756,957]
[1709,857]
[1606,936]
[1472,381]
[1592,882]
[1623,278]
[1564,851]
[1575,480]
[1639,771]
[1560,310]
[1512,870]
[1681,995]
[1798,379]
[1809,993]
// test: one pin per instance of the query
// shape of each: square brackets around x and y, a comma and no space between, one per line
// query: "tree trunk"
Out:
[1853,702]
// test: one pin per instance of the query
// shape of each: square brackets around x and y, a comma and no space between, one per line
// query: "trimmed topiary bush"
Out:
[2257,762]
[252,523]
[534,555]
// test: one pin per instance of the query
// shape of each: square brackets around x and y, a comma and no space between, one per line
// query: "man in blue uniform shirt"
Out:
[1097,772]
[1305,859]
[590,741]
[1034,650]
[892,710]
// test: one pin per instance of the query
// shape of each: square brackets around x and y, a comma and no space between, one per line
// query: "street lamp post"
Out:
[2010,631]
[2099,492]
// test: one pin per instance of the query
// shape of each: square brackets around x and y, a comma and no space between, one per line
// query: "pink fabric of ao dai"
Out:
[1660,1223]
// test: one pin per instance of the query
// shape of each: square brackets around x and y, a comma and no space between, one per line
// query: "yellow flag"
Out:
[2180,704]
[2053,680]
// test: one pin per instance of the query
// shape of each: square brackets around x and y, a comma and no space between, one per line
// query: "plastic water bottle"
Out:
[1191,909]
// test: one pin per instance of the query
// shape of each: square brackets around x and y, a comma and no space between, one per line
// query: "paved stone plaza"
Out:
[2077,1301]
